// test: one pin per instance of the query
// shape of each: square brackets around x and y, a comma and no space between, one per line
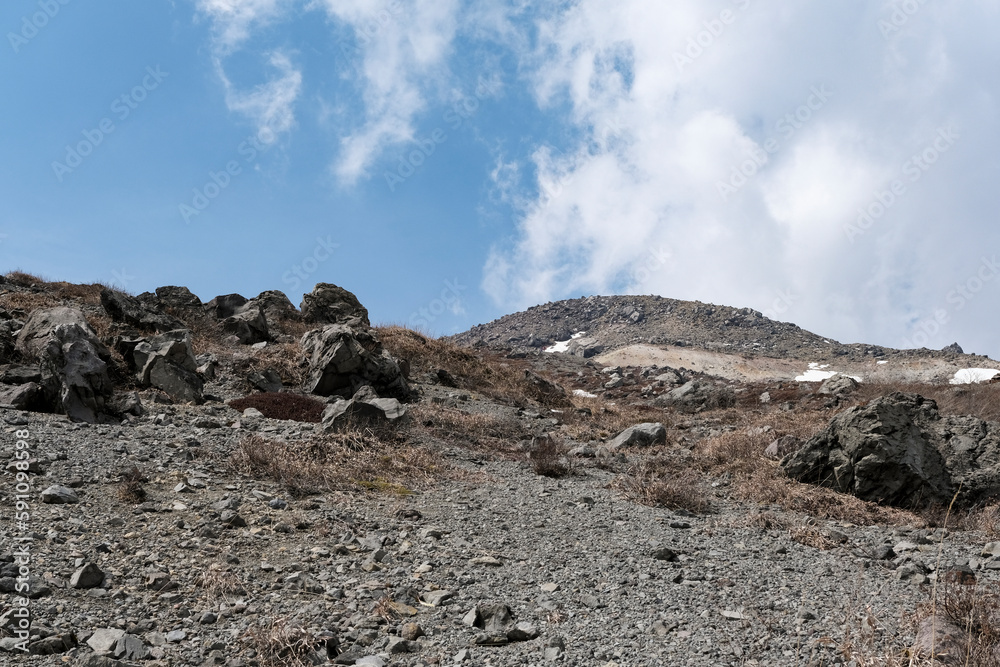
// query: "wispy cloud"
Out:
[270,105]
[233,20]
[403,51]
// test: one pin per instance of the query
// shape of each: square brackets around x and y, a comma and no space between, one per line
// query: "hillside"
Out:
[248,483]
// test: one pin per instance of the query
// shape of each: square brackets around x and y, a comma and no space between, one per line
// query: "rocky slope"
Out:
[731,340]
[441,505]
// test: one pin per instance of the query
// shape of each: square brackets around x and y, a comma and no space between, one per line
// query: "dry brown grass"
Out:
[219,582]
[282,644]
[284,358]
[130,486]
[664,481]
[592,419]
[493,435]
[548,457]
[503,380]
[351,461]
[976,400]
[23,278]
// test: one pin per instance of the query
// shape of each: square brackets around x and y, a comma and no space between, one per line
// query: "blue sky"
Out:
[831,164]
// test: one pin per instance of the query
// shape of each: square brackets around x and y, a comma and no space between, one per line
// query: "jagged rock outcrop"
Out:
[640,435]
[342,360]
[365,406]
[898,450]
[142,314]
[276,307]
[166,362]
[72,362]
[330,304]
[697,395]
[225,305]
[181,298]
[248,324]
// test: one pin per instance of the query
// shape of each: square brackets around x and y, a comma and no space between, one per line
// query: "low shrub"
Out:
[282,405]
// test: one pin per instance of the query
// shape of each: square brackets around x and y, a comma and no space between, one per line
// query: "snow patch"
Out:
[563,345]
[881,361]
[816,373]
[974,375]
[583,394]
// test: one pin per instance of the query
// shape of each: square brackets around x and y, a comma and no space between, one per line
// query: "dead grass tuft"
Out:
[976,400]
[491,434]
[293,407]
[353,460]
[664,481]
[23,278]
[130,487]
[548,457]
[283,358]
[218,582]
[592,419]
[282,644]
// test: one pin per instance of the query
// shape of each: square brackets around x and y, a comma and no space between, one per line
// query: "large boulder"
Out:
[640,435]
[697,395]
[225,305]
[364,407]
[277,307]
[167,362]
[342,360]
[72,363]
[330,304]
[143,313]
[248,324]
[33,336]
[180,298]
[898,450]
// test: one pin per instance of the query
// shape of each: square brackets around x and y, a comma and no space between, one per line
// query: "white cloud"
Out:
[673,99]
[235,19]
[404,48]
[269,105]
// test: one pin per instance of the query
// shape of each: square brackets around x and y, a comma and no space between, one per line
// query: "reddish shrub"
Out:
[294,407]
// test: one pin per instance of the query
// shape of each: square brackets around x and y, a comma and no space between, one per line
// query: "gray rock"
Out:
[28,396]
[640,435]
[248,324]
[225,305]
[522,632]
[104,639]
[88,576]
[697,395]
[954,348]
[130,647]
[342,360]
[266,380]
[838,385]
[330,304]
[121,307]
[59,495]
[94,660]
[277,308]
[33,336]
[782,447]
[181,298]
[167,362]
[360,411]
[898,450]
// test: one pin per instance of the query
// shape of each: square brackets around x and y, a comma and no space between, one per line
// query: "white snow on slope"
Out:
[974,375]
[563,345]
[816,373]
